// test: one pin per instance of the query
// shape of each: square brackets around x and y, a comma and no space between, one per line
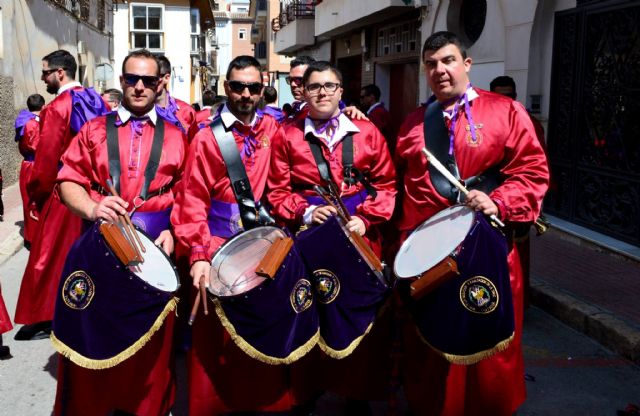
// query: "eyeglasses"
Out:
[329,87]
[47,72]
[238,87]
[149,81]
[293,80]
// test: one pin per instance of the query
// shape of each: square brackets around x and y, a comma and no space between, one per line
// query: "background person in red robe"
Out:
[374,108]
[27,135]
[222,377]
[5,326]
[299,107]
[362,375]
[57,227]
[504,137]
[144,383]
[172,109]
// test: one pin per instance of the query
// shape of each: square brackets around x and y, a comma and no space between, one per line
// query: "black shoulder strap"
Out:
[321,162]
[250,214]
[436,139]
[113,152]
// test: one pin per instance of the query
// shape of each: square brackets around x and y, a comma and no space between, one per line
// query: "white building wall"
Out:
[224,33]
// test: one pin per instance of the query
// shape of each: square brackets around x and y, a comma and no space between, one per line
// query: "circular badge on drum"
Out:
[78,290]
[327,285]
[301,296]
[479,295]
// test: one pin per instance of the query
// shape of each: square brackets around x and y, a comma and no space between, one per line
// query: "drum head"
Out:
[157,269]
[434,240]
[233,267]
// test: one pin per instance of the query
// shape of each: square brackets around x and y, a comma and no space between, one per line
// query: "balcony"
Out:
[295,26]
[257,33]
[335,17]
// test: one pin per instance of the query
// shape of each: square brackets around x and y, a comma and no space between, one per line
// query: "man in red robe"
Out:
[144,383]
[485,130]
[223,378]
[299,107]
[27,135]
[370,102]
[170,108]
[293,174]
[58,228]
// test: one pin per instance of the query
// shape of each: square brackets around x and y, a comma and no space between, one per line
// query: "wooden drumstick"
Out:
[196,303]
[333,190]
[323,194]
[440,168]
[129,226]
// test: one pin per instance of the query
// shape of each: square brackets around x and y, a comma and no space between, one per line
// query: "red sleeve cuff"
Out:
[198,253]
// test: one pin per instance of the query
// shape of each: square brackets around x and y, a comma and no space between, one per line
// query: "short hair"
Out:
[441,39]
[301,60]
[195,106]
[114,93]
[502,81]
[62,59]
[320,66]
[208,98]
[164,64]
[270,94]
[35,102]
[242,62]
[372,89]
[141,53]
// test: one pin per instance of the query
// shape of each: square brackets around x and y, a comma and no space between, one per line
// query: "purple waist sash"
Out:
[152,223]
[224,219]
[351,202]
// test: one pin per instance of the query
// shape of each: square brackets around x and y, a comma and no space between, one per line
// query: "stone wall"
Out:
[9,156]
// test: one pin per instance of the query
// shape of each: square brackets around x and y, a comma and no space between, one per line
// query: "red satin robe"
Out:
[505,137]
[57,227]
[382,119]
[185,114]
[294,118]
[366,372]
[222,378]
[5,319]
[144,384]
[27,146]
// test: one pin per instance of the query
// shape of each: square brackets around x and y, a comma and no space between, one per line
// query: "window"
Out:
[242,34]
[195,31]
[146,26]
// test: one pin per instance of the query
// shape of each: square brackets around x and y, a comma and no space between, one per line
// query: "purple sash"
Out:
[86,105]
[104,314]
[347,293]
[21,121]
[168,113]
[152,223]
[224,219]
[470,317]
[351,202]
[274,112]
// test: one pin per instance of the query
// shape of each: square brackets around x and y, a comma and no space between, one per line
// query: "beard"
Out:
[53,88]
[244,107]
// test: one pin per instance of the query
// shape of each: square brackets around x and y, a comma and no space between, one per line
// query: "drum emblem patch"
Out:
[327,285]
[301,296]
[235,224]
[78,290]
[471,140]
[479,295]
[139,223]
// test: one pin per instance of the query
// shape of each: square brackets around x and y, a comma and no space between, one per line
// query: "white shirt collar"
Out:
[373,106]
[68,86]
[125,114]
[471,95]
[228,118]
[345,126]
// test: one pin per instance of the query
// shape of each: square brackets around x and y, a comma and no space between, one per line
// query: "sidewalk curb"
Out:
[10,246]
[597,323]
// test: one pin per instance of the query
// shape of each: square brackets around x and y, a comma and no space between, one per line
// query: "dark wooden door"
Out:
[403,92]
[351,69]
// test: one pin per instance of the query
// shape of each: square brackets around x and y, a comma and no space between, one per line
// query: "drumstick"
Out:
[323,194]
[333,189]
[196,303]
[440,168]
[127,220]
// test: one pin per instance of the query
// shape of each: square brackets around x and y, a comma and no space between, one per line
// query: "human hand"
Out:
[321,214]
[200,269]
[479,201]
[356,225]
[165,240]
[109,208]
[354,113]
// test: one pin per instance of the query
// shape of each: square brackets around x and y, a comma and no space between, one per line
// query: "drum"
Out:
[106,312]
[348,291]
[272,320]
[468,316]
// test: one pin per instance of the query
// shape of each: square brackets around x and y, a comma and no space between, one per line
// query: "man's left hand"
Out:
[356,225]
[165,240]
[354,114]
[480,201]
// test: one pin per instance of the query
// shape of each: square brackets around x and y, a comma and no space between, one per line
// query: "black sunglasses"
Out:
[293,80]
[47,72]
[238,87]
[149,81]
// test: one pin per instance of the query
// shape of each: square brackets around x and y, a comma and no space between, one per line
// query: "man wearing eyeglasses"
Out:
[369,197]
[170,108]
[57,228]
[143,383]
[222,377]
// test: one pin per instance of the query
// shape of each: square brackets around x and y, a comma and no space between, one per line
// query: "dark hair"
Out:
[242,62]
[141,53]
[165,65]
[208,98]
[320,66]
[502,81]
[441,39]
[270,94]
[35,102]
[286,108]
[372,89]
[62,59]
[195,106]
[114,93]
[301,60]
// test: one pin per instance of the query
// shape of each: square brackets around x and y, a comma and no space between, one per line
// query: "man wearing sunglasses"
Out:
[369,197]
[170,108]
[143,383]
[57,228]
[222,377]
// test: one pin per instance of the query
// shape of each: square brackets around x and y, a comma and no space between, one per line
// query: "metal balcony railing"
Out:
[291,10]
